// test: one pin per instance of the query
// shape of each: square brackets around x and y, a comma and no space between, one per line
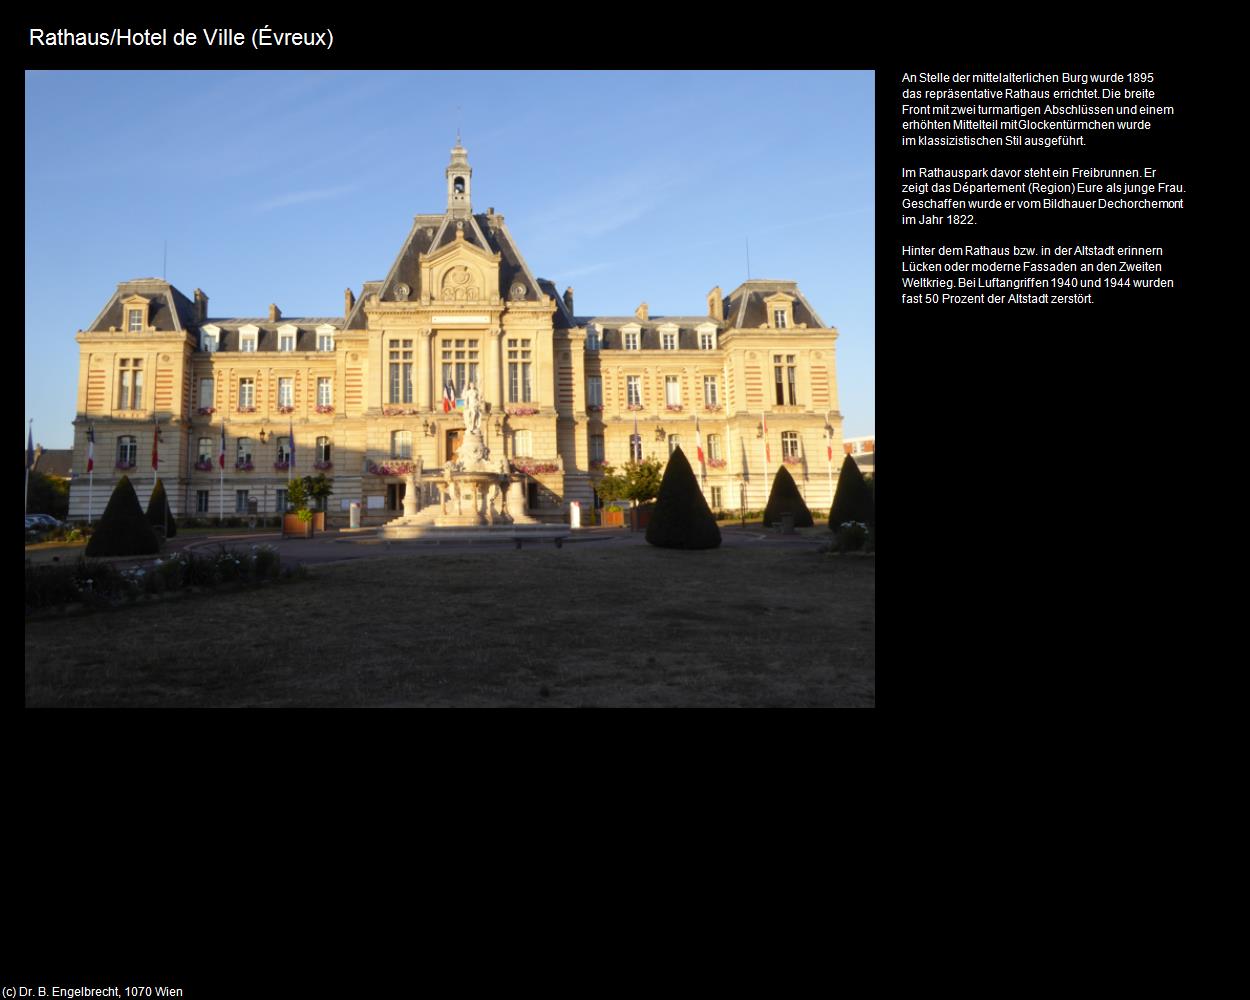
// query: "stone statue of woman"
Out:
[472,409]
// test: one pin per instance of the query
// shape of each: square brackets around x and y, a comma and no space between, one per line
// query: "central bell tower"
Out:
[459,181]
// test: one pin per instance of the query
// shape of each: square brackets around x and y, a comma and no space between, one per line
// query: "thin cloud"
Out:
[302,197]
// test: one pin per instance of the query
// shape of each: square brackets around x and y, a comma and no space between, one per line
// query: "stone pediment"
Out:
[460,272]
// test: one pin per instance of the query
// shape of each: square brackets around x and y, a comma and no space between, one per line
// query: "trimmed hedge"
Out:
[122,529]
[159,513]
[853,500]
[681,519]
[786,499]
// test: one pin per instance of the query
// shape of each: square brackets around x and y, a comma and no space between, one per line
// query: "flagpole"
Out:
[30,452]
[221,483]
[90,468]
[764,478]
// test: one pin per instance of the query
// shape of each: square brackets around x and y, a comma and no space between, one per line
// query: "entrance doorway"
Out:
[453,443]
[395,495]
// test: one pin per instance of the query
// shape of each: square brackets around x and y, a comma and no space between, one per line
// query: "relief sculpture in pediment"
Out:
[460,285]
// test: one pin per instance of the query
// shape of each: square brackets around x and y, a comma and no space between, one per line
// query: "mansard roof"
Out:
[745,308]
[267,337]
[170,310]
[650,340]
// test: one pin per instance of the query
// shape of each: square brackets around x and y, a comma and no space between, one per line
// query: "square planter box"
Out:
[293,527]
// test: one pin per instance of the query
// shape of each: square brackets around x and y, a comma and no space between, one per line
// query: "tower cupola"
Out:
[459,182]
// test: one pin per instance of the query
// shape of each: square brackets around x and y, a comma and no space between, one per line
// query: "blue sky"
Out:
[288,187]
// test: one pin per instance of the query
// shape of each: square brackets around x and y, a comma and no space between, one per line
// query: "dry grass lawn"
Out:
[587,625]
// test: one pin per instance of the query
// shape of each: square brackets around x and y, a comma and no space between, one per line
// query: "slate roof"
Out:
[687,335]
[267,338]
[170,310]
[54,461]
[745,308]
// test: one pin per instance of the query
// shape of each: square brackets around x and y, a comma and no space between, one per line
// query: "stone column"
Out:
[410,493]
[494,369]
[424,341]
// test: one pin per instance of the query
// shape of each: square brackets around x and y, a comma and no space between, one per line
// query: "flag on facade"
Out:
[90,447]
[698,441]
[290,430]
[768,455]
[30,447]
[447,394]
[221,456]
[156,439]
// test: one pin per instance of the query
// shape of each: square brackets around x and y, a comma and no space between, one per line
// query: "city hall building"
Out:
[369,393]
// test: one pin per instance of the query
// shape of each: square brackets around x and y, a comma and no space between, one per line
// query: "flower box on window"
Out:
[634,406]
[207,411]
[281,466]
[244,466]
[711,407]
[286,409]
[792,459]
[123,464]
[534,468]
[715,463]
[399,467]
[673,407]
[324,408]
[323,465]
[247,409]
[521,411]
[388,411]
[204,465]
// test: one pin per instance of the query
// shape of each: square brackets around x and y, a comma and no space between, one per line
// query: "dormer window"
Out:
[780,311]
[135,311]
[325,338]
[286,338]
[632,338]
[248,337]
[134,320]
[707,338]
[668,338]
[210,339]
[779,319]
[592,339]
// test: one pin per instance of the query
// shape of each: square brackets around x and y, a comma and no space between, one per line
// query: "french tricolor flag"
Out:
[446,397]
[90,447]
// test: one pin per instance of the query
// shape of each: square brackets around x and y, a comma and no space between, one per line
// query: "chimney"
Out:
[568,299]
[349,302]
[201,306]
[275,313]
[715,304]
[641,312]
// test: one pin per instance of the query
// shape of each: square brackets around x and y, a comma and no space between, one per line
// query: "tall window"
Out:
[286,392]
[635,447]
[286,341]
[325,341]
[594,390]
[130,384]
[779,319]
[520,371]
[790,444]
[668,341]
[784,380]
[280,500]
[710,396]
[523,444]
[204,450]
[243,452]
[284,450]
[596,447]
[323,449]
[674,441]
[127,449]
[716,498]
[325,391]
[134,321]
[240,502]
[401,444]
[460,360]
[672,390]
[633,390]
[631,340]
[247,393]
[206,392]
[401,371]
[209,341]
[592,340]
[707,340]
[714,448]
[201,501]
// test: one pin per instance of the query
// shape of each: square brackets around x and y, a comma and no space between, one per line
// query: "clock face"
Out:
[402,292]
[518,291]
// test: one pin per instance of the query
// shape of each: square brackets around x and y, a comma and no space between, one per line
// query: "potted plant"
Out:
[298,519]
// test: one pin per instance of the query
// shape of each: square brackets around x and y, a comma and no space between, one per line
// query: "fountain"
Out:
[478,500]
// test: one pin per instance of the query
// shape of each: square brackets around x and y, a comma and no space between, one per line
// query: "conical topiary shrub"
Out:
[122,529]
[681,519]
[786,499]
[159,514]
[854,500]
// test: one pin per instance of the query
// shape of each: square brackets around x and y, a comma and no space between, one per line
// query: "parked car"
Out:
[44,521]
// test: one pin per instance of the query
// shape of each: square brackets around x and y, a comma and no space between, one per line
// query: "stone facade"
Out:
[364,393]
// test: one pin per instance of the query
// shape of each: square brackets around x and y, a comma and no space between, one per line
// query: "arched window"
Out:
[459,185]
[401,444]
[126,452]
[323,449]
